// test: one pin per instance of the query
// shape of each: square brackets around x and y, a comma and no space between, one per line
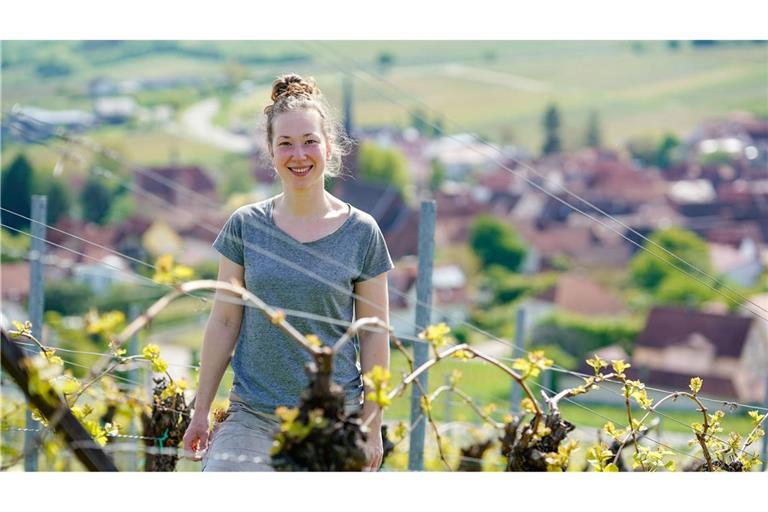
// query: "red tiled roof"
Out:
[721,387]
[14,280]
[578,294]
[673,326]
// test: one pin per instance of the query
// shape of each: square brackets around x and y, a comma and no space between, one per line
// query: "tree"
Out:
[665,150]
[59,200]
[437,177]
[593,130]
[17,192]
[385,60]
[383,165]
[496,243]
[552,140]
[96,200]
[651,267]
[419,120]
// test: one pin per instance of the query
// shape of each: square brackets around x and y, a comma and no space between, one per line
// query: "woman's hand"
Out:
[196,437]
[374,449]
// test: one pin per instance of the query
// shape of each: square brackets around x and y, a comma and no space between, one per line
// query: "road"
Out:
[196,123]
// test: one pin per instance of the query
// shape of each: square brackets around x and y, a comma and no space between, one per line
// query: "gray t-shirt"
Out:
[316,278]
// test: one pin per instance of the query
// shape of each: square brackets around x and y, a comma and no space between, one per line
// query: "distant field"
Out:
[498,89]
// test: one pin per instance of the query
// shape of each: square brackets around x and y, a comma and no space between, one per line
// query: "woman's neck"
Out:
[311,203]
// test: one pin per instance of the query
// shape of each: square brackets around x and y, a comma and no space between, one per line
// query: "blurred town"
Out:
[509,235]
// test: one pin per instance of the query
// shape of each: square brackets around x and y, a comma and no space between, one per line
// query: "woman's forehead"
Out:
[297,123]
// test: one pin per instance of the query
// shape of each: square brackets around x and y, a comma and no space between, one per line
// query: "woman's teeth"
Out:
[300,171]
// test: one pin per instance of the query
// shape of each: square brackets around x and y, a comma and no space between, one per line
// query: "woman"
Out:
[302,250]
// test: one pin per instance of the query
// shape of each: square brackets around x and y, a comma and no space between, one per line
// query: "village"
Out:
[716,187]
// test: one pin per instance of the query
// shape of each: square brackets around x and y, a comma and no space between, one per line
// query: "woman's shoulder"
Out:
[258,209]
[362,218]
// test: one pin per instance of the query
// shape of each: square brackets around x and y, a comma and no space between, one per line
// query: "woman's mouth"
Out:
[300,171]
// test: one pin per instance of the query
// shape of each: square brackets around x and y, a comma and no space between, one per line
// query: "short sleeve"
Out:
[377,259]
[229,242]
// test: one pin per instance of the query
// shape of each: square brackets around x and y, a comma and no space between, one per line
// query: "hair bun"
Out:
[293,85]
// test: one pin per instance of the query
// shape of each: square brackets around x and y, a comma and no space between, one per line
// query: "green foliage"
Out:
[579,336]
[665,151]
[385,60]
[59,200]
[16,194]
[496,243]
[122,208]
[686,291]
[649,268]
[419,120]
[235,177]
[67,297]
[508,286]
[560,357]
[15,246]
[72,338]
[383,165]
[122,295]
[96,200]
[650,151]
[437,177]
[715,158]
[177,98]
[593,137]
[53,67]
[552,138]
[207,270]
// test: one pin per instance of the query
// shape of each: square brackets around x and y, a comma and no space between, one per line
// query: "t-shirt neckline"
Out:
[270,208]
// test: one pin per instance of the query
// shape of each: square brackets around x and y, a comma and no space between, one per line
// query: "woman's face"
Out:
[299,148]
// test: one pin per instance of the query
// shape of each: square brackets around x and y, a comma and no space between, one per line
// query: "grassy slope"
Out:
[636,93]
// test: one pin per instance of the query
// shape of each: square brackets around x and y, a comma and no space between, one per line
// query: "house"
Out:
[694,198]
[461,154]
[450,298]
[573,293]
[100,275]
[36,124]
[14,281]
[729,352]
[177,185]
[742,265]
[115,110]
[457,205]
[580,242]
[397,221]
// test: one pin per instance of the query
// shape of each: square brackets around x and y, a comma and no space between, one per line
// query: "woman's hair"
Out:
[291,92]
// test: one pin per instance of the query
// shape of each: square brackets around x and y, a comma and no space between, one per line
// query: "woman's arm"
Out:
[374,350]
[219,341]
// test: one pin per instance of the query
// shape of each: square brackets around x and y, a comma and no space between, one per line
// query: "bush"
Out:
[509,287]
[122,295]
[68,297]
[496,243]
[580,336]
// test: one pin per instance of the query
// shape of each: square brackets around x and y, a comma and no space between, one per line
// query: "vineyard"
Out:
[89,416]
[109,400]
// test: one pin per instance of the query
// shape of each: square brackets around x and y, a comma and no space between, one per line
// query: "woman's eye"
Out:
[284,144]
[311,141]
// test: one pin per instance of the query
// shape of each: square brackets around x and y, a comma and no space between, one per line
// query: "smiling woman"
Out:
[267,246]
